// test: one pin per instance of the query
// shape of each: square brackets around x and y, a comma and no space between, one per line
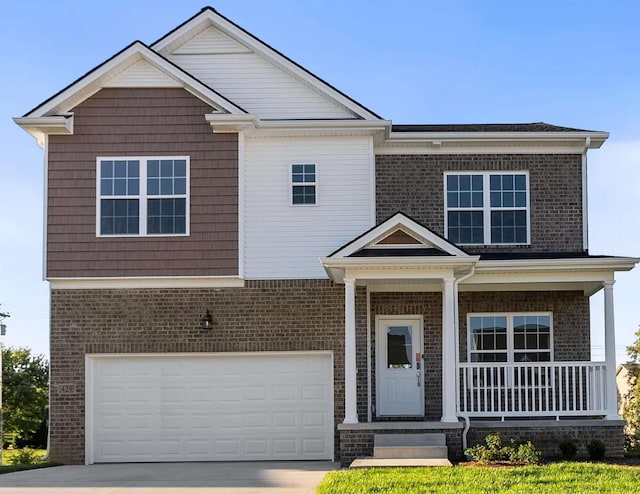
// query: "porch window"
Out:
[487,208]
[510,337]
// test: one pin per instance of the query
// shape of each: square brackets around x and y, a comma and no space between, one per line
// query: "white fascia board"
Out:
[592,264]
[392,223]
[93,81]
[145,282]
[260,48]
[39,127]
[229,123]
[391,268]
[597,138]
[347,127]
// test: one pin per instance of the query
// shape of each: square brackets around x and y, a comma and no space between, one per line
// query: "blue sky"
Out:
[572,63]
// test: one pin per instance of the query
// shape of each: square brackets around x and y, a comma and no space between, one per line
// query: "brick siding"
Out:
[293,315]
[546,438]
[414,184]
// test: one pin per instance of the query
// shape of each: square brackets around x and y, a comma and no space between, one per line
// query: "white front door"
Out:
[400,371]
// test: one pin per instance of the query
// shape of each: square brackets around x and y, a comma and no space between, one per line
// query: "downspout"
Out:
[585,222]
[456,328]
[369,411]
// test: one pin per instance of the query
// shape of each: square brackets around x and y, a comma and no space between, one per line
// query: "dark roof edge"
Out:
[486,127]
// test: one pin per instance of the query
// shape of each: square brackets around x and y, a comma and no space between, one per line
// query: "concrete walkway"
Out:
[294,477]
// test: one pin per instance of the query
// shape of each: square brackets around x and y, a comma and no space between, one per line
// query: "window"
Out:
[303,184]
[142,196]
[487,208]
[521,337]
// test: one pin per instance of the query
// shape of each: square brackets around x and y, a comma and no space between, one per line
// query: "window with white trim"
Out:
[510,337]
[140,196]
[487,208]
[303,184]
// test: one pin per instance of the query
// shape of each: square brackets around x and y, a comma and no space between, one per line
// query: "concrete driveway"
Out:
[299,477]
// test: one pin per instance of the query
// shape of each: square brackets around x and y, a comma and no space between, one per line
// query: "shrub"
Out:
[24,456]
[525,453]
[568,448]
[596,449]
[494,450]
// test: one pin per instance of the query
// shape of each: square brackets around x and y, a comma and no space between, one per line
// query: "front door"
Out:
[400,371]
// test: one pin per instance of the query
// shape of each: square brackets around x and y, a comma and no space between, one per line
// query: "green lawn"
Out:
[576,478]
[8,454]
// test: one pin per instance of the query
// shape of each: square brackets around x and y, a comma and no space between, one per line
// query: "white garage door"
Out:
[209,407]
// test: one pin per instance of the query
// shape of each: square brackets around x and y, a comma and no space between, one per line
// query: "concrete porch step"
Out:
[410,452]
[399,462]
[407,446]
[433,439]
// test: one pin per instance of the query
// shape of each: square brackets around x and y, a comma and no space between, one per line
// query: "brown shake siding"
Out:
[142,122]
[414,184]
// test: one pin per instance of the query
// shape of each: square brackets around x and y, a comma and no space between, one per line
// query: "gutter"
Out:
[585,203]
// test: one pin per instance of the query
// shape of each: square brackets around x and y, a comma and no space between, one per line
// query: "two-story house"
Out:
[247,264]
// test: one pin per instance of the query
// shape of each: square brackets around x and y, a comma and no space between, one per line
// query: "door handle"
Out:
[418,376]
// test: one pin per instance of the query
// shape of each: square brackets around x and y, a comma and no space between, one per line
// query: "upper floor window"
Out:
[487,208]
[303,184]
[511,337]
[143,196]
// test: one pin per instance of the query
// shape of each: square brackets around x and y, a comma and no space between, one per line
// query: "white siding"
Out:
[142,74]
[285,241]
[211,40]
[250,81]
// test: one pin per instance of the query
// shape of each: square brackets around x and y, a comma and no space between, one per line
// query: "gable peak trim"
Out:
[94,80]
[209,16]
[389,226]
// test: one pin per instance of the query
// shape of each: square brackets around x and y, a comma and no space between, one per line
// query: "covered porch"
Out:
[461,324]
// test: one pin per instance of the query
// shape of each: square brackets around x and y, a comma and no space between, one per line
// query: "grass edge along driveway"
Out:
[574,477]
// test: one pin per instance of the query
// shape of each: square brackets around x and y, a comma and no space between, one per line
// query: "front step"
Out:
[410,446]
[406,450]
[399,462]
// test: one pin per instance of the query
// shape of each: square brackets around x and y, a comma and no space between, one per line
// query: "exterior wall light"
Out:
[207,321]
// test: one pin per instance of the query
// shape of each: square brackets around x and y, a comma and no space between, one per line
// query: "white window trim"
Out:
[143,197]
[510,336]
[292,184]
[486,206]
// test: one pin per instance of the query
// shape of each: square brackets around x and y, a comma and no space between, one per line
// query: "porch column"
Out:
[449,365]
[610,352]
[350,390]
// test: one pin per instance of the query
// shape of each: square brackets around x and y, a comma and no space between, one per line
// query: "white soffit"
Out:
[196,37]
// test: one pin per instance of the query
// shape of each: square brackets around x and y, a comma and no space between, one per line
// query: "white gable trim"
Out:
[208,17]
[409,226]
[95,80]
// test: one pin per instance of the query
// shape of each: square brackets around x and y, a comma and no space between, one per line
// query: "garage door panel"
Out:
[212,407]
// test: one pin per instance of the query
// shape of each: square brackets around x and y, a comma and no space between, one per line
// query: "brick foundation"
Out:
[546,435]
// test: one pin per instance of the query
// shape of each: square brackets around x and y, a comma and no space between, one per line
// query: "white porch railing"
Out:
[532,389]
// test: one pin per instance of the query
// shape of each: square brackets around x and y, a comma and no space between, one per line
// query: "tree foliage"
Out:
[25,391]
[631,412]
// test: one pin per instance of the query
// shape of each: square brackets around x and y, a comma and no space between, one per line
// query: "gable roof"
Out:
[431,244]
[94,80]
[210,17]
